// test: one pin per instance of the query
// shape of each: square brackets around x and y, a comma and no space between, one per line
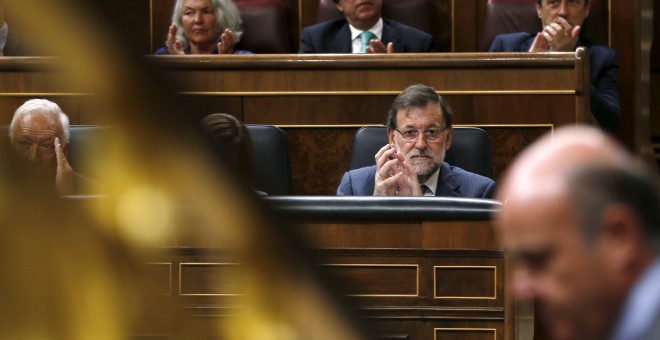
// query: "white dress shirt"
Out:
[432,183]
[377,30]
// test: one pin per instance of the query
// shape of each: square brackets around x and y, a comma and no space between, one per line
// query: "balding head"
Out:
[544,167]
[577,218]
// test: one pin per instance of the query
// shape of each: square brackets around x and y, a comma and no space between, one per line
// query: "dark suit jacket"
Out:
[335,37]
[604,66]
[452,182]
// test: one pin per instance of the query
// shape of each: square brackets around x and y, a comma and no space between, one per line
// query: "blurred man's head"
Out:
[32,133]
[363,14]
[580,223]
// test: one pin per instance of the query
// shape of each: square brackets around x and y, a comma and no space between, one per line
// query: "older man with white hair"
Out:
[39,133]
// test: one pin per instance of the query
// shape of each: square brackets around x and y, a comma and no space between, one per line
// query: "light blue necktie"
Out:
[366,36]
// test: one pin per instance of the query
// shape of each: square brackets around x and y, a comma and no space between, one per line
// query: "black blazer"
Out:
[604,67]
[335,37]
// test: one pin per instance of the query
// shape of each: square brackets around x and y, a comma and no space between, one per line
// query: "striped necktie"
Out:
[366,37]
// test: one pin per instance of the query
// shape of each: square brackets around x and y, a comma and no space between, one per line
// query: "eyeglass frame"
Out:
[423,132]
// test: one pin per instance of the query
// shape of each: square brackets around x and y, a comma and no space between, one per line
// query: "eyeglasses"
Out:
[431,134]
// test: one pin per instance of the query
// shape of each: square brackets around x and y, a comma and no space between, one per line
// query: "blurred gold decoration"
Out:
[68,266]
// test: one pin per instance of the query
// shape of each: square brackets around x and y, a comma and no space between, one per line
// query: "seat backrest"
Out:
[470,149]
[511,16]
[271,168]
[264,26]
[88,143]
[414,13]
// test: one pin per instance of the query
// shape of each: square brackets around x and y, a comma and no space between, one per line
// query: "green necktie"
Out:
[366,36]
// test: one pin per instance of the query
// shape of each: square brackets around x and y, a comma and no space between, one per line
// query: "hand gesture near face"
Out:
[559,36]
[227,42]
[173,45]
[394,175]
[64,172]
[377,46]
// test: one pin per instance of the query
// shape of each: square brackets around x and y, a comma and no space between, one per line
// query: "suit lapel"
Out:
[447,184]
[342,42]
[527,44]
[390,35]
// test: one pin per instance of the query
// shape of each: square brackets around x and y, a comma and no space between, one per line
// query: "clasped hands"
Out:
[559,36]
[394,175]
[225,46]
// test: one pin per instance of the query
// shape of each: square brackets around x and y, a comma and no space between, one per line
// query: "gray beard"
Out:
[423,176]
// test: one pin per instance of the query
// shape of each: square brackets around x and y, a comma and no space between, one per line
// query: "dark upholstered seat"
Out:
[271,168]
[88,142]
[470,149]
[264,26]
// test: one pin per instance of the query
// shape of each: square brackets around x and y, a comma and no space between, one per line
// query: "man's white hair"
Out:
[45,107]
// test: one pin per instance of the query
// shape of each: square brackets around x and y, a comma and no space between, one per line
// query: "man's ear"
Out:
[340,6]
[621,237]
[390,138]
[450,138]
[539,10]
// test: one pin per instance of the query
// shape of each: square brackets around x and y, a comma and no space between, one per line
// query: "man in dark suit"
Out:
[562,21]
[412,163]
[581,225]
[363,31]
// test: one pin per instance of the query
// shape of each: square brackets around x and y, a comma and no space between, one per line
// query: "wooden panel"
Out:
[160,276]
[212,279]
[485,275]
[411,328]
[360,235]
[317,110]
[473,235]
[450,282]
[466,333]
[399,282]
[161,19]
[319,157]
[386,280]
[466,37]
[507,142]
[136,23]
